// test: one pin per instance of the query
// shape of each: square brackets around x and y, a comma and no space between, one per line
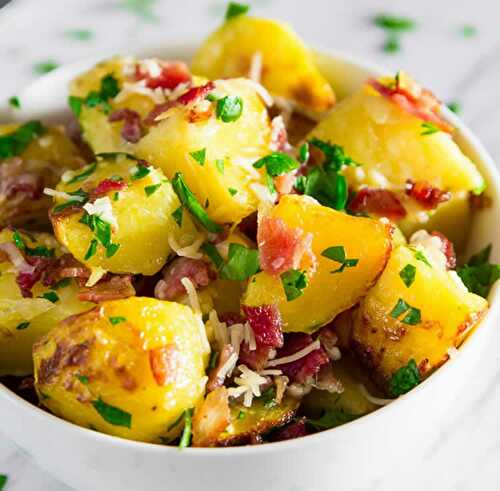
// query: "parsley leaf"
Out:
[14,143]
[149,190]
[22,325]
[420,256]
[235,9]
[39,251]
[50,296]
[140,171]
[108,89]
[337,254]
[112,414]
[429,128]
[393,23]
[229,108]
[412,316]
[189,201]
[14,102]
[117,320]
[277,164]
[83,379]
[294,282]
[79,34]
[211,251]
[241,263]
[334,155]
[404,379]
[185,440]
[91,250]
[3,481]
[331,418]
[219,163]
[304,153]
[454,106]
[89,170]
[391,44]
[45,67]
[232,191]
[407,274]
[177,215]
[199,156]
[479,274]
[468,31]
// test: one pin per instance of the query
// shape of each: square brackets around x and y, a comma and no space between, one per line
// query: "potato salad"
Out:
[222,253]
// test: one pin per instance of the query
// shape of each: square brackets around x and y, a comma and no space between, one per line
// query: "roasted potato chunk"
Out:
[215,157]
[24,320]
[229,52]
[414,312]
[24,175]
[139,214]
[389,144]
[330,291]
[128,368]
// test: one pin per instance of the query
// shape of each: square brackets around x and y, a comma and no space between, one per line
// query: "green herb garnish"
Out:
[39,251]
[241,263]
[3,481]
[404,379]
[112,414]
[91,250]
[241,415]
[212,362]
[14,102]
[83,379]
[22,325]
[211,251]
[468,31]
[79,34]
[199,156]
[454,106]
[149,190]
[115,155]
[185,440]
[219,163]
[232,191]
[229,108]
[394,23]
[62,283]
[391,44]
[108,90]
[277,164]
[177,215]
[479,275]
[117,320]
[45,67]
[235,9]
[140,171]
[331,418]
[50,296]
[429,128]
[304,153]
[89,170]
[294,282]
[337,254]
[14,143]
[420,256]
[407,274]
[412,317]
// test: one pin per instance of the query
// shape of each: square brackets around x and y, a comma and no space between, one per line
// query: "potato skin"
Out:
[16,342]
[385,344]
[387,140]
[88,358]
[145,223]
[327,294]
[283,52]
[239,144]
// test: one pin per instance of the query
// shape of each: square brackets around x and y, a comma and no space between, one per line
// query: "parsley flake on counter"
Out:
[392,44]
[79,34]
[454,106]
[45,67]
[404,379]
[117,320]
[337,254]
[294,282]
[235,9]
[22,325]
[277,164]
[149,190]
[199,156]
[14,143]
[412,317]
[229,108]
[141,8]
[468,31]
[394,23]
[407,274]
[189,201]
[429,128]
[112,414]
[14,102]
[185,440]
[479,275]
[331,418]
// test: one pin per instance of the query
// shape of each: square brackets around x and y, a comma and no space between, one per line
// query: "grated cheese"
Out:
[431,246]
[379,179]
[277,126]
[151,66]
[458,281]
[249,383]
[236,335]
[192,251]
[228,367]
[220,329]
[139,87]
[296,356]
[61,195]
[266,97]
[96,273]
[378,401]
[203,336]
[102,208]
[270,371]
[191,291]
[255,71]
[249,337]
[262,193]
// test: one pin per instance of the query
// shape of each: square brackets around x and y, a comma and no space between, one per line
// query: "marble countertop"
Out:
[465,451]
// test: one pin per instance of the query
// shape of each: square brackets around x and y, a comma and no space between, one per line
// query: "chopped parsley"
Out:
[83,379]
[404,379]
[149,190]
[189,201]
[219,164]
[14,102]
[420,256]
[115,155]
[232,191]
[429,128]
[407,274]
[117,320]
[185,440]
[294,282]
[3,481]
[140,171]
[50,296]
[211,251]
[62,283]
[212,363]
[111,250]
[89,170]
[91,250]
[241,415]
[177,215]
[337,254]
[199,156]
[455,107]
[80,34]
[391,44]
[412,317]
[268,397]
[45,67]
[468,31]
[331,418]
[141,8]
[479,275]
[241,263]
[277,164]
[394,23]
[22,325]
[39,251]
[235,9]
[304,153]
[112,414]
[229,108]
[108,90]
[14,143]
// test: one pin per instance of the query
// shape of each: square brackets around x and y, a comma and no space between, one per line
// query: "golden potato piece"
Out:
[287,70]
[25,320]
[24,175]
[129,368]
[389,144]
[140,215]
[328,293]
[221,174]
[397,323]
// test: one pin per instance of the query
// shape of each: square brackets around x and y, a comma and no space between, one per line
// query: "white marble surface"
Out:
[465,452]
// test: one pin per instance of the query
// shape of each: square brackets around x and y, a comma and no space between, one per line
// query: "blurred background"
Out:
[452,46]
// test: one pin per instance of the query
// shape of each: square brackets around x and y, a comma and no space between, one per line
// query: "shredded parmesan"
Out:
[458,281]
[96,274]
[431,246]
[220,329]
[102,208]
[203,336]
[378,401]
[255,71]
[228,367]
[277,126]
[45,141]
[379,179]
[191,291]
[129,88]
[249,337]
[266,97]
[263,194]
[192,251]
[236,335]
[61,194]
[296,356]
[249,383]
[270,371]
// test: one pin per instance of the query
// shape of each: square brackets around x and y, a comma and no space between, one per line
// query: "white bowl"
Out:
[348,457]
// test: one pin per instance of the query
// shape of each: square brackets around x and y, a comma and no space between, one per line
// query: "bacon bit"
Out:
[301,370]
[293,430]
[265,321]
[281,247]
[28,184]
[426,195]
[112,288]
[107,185]
[215,377]
[163,363]
[256,359]
[171,287]
[66,266]
[199,113]
[420,103]
[329,340]
[448,250]
[172,74]
[211,418]
[378,202]
[131,130]
[248,226]
[231,318]
[284,184]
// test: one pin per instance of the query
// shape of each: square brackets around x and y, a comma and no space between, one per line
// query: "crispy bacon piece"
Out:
[112,288]
[284,184]
[171,287]
[173,73]
[66,266]
[378,202]
[306,367]
[107,185]
[132,129]
[417,101]
[429,197]
[163,362]
[290,431]
[256,359]
[448,250]
[215,377]
[265,321]
[211,418]
[281,247]
[248,226]
[14,183]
